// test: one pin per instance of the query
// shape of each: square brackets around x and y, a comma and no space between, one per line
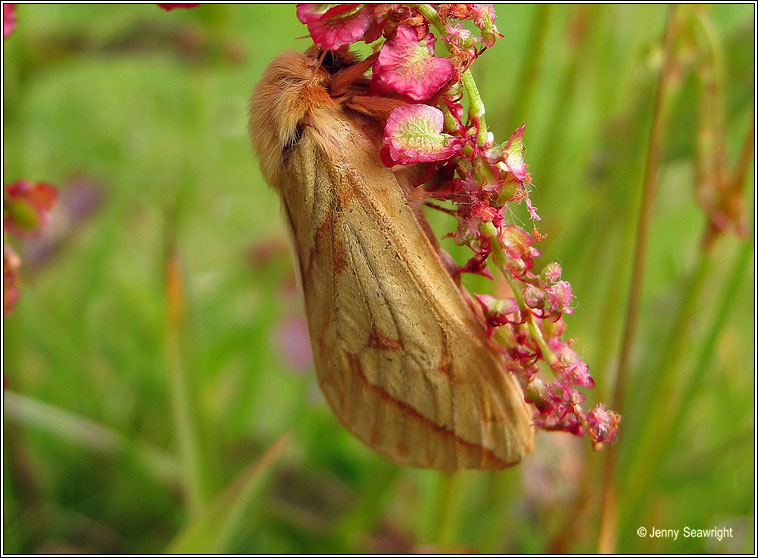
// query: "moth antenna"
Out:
[440,208]
[320,60]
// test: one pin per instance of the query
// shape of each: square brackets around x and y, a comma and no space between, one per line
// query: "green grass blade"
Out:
[30,412]
[215,527]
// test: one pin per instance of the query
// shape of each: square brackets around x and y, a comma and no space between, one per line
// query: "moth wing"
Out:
[400,356]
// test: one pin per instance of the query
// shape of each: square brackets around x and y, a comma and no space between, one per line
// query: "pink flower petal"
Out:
[551,272]
[414,135]
[407,65]
[11,279]
[559,297]
[603,424]
[9,20]
[169,7]
[338,26]
[532,211]
[308,13]
[483,14]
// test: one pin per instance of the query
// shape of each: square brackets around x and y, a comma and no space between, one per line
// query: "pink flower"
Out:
[558,297]
[333,26]
[26,206]
[308,13]
[551,273]
[496,311]
[407,65]
[517,242]
[414,135]
[9,20]
[603,424]
[569,367]
[484,212]
[483,15]
[532,210]
[293,342]
[484,19]
[11,280]
[457,32]
[169,7]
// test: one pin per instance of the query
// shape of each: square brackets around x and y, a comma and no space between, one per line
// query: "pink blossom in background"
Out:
[11,279]
[26,205]
[9,20]
[293,342]
[169,7]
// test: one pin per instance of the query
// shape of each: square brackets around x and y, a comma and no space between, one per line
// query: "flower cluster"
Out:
[481,178]
[25,212]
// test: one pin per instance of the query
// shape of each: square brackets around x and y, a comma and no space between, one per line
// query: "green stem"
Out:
[196,490]
[428,11]
[607,536]
[523,95]
[555,144]
[476,106]
[500,259]
[708,347]
[447,534]
[655,427]
[665,421]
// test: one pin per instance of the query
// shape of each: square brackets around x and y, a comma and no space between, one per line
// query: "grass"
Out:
[127,422]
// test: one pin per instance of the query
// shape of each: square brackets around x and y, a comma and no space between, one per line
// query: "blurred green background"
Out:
[157,351]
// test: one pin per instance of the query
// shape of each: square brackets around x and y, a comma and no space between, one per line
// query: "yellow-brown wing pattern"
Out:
[400,357]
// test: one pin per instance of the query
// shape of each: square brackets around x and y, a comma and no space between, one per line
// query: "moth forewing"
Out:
[400,356]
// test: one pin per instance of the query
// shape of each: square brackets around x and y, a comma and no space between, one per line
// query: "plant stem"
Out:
[655,426]
[530,68]
[476,106]
[703,358]
[500,260]
[608,535]
[447,534]
[428,11]
[184,413]
[663,423]
[584,18]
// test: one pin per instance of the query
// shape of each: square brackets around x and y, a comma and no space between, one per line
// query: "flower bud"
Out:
[533,296]
[551,273]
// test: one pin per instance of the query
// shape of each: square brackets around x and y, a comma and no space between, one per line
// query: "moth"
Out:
[400,354]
